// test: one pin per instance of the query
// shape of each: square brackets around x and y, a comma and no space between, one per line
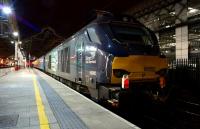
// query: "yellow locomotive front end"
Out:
[138,62]
[139,68]
[146,73]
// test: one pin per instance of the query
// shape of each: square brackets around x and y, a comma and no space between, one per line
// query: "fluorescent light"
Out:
[167,26]
[16,34]
[172,13]
[192,10]
[7,10]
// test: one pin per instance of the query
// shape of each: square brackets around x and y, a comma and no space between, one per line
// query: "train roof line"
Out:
[100,16]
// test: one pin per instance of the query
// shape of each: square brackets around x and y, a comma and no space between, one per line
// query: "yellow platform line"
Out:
[44,123]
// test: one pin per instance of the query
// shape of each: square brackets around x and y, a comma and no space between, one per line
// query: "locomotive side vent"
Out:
[149,69]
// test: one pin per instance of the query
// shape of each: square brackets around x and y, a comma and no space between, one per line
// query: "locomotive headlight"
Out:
[120,72]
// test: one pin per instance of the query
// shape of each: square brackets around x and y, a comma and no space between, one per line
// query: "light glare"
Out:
[15,34]
[7,10]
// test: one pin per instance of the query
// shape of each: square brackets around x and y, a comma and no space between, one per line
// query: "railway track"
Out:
[179,114]
[188,107]
[182,113]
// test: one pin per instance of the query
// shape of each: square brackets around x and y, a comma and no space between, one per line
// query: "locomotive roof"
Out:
[107,17]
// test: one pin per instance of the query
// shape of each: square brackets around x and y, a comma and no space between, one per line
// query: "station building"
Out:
[176,24]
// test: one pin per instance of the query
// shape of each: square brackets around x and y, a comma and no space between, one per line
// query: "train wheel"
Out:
[124,100]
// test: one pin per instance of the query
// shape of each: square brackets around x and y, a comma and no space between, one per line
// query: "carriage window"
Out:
[49,63]
[59,60]
[62,60]
[65,60]
[54,61]
[67,52]
[93,35]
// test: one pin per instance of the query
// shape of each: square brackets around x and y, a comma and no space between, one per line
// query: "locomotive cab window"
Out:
[136,40]
[133,35]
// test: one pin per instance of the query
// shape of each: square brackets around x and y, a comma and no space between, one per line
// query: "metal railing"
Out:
[185,73]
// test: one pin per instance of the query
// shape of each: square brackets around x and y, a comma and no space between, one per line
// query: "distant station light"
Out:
[7,10]
[192,10]
[20,42]
[12,42]
[16,34]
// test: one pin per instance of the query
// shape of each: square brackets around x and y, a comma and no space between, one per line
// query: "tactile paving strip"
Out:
[67,119]
[8,121]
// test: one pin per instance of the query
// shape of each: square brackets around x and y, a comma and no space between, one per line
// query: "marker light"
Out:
[125,82]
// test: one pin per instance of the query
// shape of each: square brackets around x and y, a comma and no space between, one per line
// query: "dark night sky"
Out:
[64,16]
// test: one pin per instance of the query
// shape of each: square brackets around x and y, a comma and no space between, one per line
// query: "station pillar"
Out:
[181,32]
[16,56]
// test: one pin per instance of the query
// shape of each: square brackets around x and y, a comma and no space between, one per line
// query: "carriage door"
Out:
[80,60]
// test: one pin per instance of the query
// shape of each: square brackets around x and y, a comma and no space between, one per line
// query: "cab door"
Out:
[80,66]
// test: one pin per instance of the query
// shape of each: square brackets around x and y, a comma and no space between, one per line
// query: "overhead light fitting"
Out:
[172,13]
[192,10]
[7,10]
[167,26]
[16,34]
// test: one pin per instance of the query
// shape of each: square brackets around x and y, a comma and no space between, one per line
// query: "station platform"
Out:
[30,99]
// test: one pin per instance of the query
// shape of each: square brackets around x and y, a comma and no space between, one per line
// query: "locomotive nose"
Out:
[139,68]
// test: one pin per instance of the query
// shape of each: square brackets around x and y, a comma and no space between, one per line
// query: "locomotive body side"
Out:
[95,59]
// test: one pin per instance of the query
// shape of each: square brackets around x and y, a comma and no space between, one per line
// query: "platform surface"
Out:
[30,99]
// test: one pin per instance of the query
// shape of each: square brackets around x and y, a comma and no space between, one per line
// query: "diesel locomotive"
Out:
[109,55]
